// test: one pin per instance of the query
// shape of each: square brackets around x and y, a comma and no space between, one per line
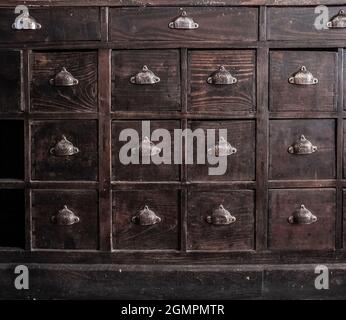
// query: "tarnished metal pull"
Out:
[303,77]
[146,76]
[64,148]
[24,21]
[338,21]
[222,77]
[147,148]
[64,79]
[302,146]
[183,22]
[65,217]
[302,216]
[221,216]
[146,217]
[223,149]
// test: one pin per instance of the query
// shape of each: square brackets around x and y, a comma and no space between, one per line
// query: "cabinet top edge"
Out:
[141,3]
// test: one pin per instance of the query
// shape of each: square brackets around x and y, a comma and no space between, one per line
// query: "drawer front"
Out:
[302,219]
[124,153]
[222,81]
[146,80]
[64,150]
[10,81]
[298,23]
[225,221]
[214,24]
[146,219]
[239,165]
[55,24]
[55,90]
[315,89]
[65,219]
[302,149]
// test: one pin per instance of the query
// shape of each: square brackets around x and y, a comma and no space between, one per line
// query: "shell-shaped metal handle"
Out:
[338,21]
[303,77]
[24,21]
[146,217]
[64,79]
[65,217]
[145,76]
[223,149]
[302,146]
[302,216]
[147,148]
[183,23]
[64,148]
[221,77]
[221,216]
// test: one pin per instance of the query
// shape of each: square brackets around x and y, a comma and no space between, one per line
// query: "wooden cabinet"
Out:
[254,88]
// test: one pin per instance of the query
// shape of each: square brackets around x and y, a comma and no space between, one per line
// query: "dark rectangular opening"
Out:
[12,218]
[12,149]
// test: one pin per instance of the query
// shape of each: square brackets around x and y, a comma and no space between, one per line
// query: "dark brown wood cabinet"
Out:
[76,78]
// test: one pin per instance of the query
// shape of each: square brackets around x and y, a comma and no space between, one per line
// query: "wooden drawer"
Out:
[10,81]
[241,135]
[225,221]
[293,158]
[298,23]
[64,219]
[303,94]
[64,150]
[126,171]
[55,90]
[56,24]
[146,80]
[146,219]
[288,228]
[214,24]
[222,81]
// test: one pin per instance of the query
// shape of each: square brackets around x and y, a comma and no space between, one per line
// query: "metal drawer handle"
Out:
[302,146]
[146,217]
[24,21]
[221,77]
[223,149]
[64,148]
[183,22]
[65,217]
[64,79]
[338,21]
[147,148]
[303,77]
[146,76]
[302,216]
[221,217]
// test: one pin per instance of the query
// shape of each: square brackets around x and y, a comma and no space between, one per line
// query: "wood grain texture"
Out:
[286,166]
[204,97]
[288,97]
[58,24]
[81,166]
[205,236]
[46,97]
[10,81]
[129,235]
[318,236]
[240,165]
[215,24]
[162,96]
[81,235]
[298,23]
[143,171]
